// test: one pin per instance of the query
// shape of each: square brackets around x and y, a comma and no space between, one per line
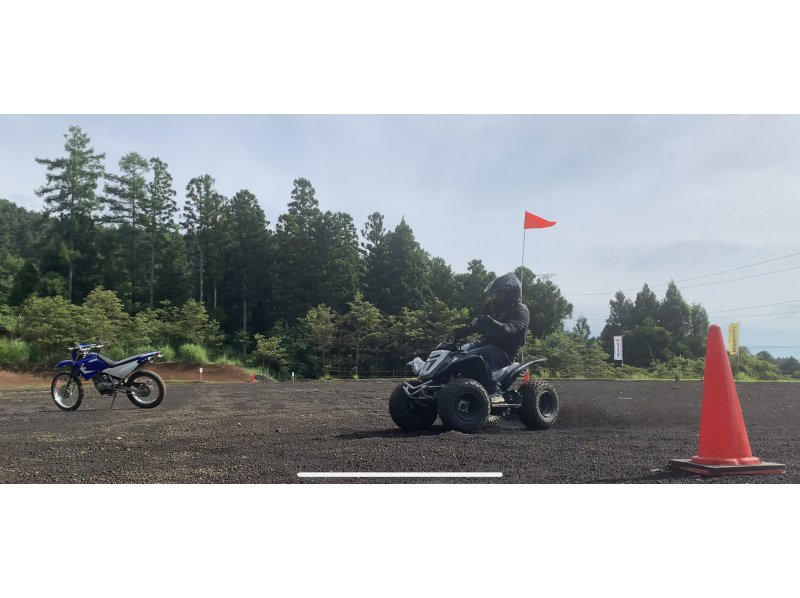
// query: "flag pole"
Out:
[521,286]
[522,270]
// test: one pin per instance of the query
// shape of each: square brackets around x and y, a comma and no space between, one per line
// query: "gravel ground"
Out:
[609,432]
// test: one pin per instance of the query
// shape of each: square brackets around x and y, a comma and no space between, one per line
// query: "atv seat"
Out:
[498,375]
[506,376]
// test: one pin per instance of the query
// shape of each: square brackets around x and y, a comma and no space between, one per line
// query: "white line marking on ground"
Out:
[400,474]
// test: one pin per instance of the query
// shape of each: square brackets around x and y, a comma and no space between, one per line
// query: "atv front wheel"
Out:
[410,414]
[539,409]
[464,405]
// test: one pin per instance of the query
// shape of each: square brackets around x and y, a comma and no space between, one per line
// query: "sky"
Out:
[637,199]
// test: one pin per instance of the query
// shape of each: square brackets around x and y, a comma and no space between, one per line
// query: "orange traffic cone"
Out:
[252,376]
[723,447]
[527,377]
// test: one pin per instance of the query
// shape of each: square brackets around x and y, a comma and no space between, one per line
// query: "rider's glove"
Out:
[460,333]
[484,320]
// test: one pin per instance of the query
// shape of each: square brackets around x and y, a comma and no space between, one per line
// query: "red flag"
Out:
[534,221]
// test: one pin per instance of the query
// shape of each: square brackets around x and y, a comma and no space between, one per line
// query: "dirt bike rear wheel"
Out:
[152,389]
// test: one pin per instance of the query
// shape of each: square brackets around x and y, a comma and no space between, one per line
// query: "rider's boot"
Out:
[496,396]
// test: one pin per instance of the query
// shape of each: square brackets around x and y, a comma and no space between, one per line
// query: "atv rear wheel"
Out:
[464,405]
[410,414]
[539,409]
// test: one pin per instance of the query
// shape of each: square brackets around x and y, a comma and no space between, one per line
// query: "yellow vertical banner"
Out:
[733,338]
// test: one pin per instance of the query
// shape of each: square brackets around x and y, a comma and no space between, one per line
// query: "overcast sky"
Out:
[637,199]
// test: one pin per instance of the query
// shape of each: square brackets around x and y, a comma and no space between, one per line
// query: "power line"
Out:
[705,284]
[783,257]
[722,230]
[747,205]
[702,224]
[774,346]
[693,285]
[754,306]
[713,313]
[780,313]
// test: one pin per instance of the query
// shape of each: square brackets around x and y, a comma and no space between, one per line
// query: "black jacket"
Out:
[504,328]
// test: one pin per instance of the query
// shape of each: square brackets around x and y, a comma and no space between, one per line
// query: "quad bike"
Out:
[452,385]
[144,388]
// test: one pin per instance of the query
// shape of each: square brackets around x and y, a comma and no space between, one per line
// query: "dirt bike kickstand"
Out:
[113,398]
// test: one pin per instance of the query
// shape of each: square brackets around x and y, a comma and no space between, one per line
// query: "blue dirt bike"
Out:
[144,388]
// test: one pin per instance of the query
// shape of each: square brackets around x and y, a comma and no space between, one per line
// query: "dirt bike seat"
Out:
[114,364]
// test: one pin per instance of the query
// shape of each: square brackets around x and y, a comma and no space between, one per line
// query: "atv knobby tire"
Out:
[539,409]
[411,415]
[464,405]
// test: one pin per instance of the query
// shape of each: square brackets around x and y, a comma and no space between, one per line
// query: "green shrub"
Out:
[115,351]
[192,353]
[227,359]
[49,324]
[678,368]
[14,352]
[167,352]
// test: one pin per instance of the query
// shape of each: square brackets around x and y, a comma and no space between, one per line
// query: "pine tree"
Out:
[673,316]
[398,272]
[70,192]
[444,285]
[581,328]
[620,319]
[472,285]
[547,306]
[299,267]
[645,307]
[362,326]
[373,233]
[125,198]
[158,209]
[249,252]
[204,222]
[340,263]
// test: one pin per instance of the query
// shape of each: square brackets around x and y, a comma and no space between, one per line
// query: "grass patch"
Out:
[191,353]
[14,353]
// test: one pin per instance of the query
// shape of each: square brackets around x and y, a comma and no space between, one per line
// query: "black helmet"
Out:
[506,282]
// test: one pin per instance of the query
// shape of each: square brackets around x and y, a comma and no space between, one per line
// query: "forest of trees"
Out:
[112,258]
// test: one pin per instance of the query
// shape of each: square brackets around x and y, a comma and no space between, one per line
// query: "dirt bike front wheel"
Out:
[67,392]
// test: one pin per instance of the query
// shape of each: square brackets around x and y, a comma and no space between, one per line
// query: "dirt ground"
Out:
[609,432]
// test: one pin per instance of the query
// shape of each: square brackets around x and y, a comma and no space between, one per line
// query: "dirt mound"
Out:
[23,380]
[212,372]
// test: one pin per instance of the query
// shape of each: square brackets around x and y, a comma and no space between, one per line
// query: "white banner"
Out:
[617,348]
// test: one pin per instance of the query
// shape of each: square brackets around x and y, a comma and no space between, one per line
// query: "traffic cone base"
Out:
[725,461]
[762,467]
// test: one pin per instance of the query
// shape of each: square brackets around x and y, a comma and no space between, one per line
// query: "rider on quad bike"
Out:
[455,383]
[503,326]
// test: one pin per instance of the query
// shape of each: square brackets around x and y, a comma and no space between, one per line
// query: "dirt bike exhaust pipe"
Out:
[141,391]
